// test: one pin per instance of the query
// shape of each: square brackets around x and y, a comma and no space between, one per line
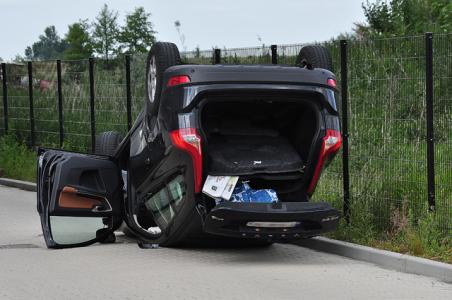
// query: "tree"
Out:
[405,17]
[105,32]
[138,34]
[49,46]
[29,53]
[79,41]
[18,58]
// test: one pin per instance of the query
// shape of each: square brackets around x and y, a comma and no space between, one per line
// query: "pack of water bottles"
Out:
[244,193]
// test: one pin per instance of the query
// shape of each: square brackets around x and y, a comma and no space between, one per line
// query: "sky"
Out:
[204,23]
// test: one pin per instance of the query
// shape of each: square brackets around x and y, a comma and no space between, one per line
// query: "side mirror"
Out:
[67,230]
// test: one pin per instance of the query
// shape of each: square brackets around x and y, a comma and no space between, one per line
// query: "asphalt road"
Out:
[124,271]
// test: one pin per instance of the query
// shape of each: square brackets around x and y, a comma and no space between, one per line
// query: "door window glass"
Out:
[164,203]
[74,230]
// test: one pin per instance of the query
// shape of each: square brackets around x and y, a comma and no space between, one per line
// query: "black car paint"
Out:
[159,160]
[230,219]
[209,80]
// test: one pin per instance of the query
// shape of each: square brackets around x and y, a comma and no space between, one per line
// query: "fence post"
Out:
[217,57]
[60,103]
[345,161]
[30,98]
[274,49]
[128,94]
[5,99]
[91,104]
[429,115]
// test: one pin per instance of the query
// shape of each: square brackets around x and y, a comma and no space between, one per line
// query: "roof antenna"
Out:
[177,24]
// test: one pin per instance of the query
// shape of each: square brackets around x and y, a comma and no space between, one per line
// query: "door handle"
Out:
[102,208]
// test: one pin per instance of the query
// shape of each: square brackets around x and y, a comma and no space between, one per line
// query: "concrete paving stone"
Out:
[124,271]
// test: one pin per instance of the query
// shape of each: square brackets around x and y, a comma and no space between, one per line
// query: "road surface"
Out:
[124,271]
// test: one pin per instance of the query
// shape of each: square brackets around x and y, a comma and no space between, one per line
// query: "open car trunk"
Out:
[266,140]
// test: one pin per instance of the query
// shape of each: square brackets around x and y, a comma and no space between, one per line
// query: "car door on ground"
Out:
[80,198]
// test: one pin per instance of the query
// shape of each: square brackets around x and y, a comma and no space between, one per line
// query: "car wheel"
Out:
[107,142]
[315,56]
[161,57]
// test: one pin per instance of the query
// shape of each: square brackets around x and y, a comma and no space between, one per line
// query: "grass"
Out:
[389,202]
[421,236]
[16,160]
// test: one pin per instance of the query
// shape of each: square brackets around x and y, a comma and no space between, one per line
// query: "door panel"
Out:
[70,197]
[80,197]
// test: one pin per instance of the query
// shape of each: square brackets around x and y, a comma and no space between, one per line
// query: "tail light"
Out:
[330,145]
[176,80]
[188,140]
[331,82]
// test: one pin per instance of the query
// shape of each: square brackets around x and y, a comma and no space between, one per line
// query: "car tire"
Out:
[107,143]
[161,56]
[315,56]
[127,231]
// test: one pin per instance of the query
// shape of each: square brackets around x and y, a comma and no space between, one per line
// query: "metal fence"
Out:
[399,117]
[67,103]
[396,107]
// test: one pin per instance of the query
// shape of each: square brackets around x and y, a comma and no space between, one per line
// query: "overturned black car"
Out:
[266,127]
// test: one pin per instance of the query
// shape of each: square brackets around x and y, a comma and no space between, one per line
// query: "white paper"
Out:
[215,185]
[227,193]
[220,186]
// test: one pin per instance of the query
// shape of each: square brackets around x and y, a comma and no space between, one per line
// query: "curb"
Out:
[23,185]
[386,259]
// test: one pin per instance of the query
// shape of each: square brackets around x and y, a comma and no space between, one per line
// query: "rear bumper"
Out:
[306,220]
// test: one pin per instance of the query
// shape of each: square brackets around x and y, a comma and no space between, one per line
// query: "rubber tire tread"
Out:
[107,143]
[166,55]
[317,56]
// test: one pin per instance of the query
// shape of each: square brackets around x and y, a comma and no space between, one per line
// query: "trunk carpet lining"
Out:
[248,154]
